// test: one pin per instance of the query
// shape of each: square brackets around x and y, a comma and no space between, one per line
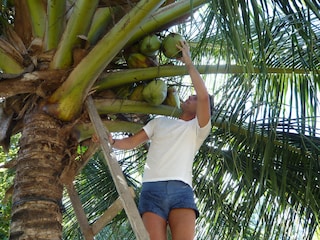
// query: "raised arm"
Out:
[203,100]
[129,142]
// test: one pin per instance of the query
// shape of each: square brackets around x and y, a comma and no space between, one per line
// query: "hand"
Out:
[111,140]
[95,138]
[186,56]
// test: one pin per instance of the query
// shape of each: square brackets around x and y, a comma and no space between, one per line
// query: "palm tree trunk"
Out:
[36,211]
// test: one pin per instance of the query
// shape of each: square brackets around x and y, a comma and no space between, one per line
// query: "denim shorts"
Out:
[160,197]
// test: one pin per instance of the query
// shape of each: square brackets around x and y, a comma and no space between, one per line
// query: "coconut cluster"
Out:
[143,55]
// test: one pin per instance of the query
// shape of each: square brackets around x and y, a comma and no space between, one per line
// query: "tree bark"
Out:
[36,210]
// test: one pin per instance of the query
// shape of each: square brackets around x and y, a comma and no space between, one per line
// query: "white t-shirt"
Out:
[174,144]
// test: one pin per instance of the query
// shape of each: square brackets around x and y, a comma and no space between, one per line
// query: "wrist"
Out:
[189,65]
[113,142]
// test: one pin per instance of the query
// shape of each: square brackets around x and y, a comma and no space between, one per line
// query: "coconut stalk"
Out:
[68,98]
[8,64]
[166,15]
[84,131]
[127,106]
[101,19]
[56,11]
[29,82]
[78,24]
[11,61]
[115,79]
[14,39]
[22,22]
[107,106]
[37,9]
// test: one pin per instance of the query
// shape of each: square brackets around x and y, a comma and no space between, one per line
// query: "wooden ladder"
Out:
[124,191]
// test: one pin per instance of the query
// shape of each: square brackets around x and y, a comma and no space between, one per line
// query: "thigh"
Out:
[182,223]
[156,226]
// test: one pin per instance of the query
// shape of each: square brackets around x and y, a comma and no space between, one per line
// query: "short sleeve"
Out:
[149,128]
[204,131]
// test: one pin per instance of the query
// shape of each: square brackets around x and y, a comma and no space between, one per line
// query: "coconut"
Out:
[169,45]
[172,98]
[138,60]
[136,94]
[155,92]
[150,45]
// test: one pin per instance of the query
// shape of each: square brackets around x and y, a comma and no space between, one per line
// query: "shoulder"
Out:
[162,119]
[153,123]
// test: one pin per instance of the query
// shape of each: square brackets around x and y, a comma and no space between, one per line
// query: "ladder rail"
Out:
[128,202]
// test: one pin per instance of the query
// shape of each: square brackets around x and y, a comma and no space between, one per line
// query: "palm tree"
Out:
[256,176]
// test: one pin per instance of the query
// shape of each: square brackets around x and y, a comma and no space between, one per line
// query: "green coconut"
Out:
[169,45]
[155,92]
[150,45]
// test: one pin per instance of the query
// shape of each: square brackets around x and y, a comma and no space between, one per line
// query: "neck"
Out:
[187,117]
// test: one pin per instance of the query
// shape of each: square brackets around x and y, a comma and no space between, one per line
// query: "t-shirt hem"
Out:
[166,179]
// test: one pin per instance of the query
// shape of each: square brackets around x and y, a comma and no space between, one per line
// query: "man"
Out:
[167,196]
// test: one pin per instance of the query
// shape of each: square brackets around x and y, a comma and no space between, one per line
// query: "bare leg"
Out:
[155,225]
[182,223]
